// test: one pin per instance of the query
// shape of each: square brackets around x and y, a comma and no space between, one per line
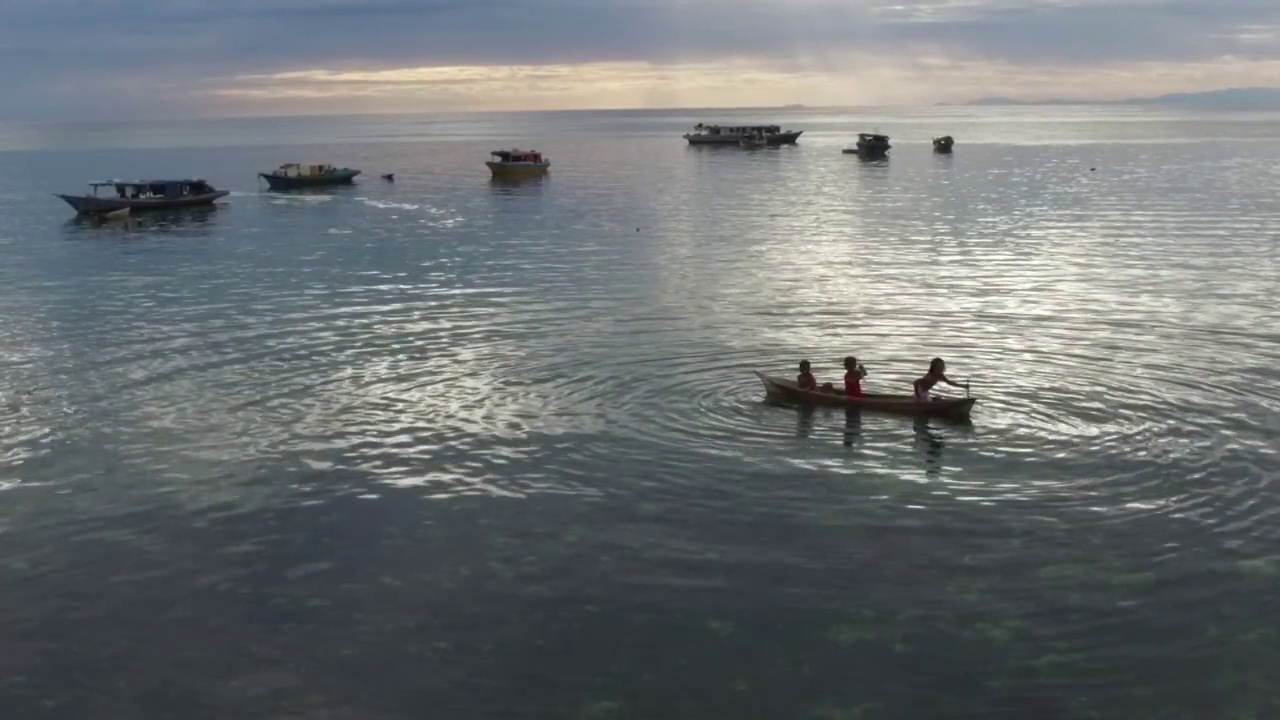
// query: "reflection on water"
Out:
[852,426]
[932,443]
[516,185]
[804,420]
[193,219]
[452,433]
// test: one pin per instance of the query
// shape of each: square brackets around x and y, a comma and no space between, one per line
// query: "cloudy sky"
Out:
[102,59]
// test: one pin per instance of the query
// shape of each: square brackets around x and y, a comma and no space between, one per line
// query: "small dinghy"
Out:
[389,177]
[787,391]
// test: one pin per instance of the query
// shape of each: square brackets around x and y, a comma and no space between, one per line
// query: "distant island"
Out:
[1252,98]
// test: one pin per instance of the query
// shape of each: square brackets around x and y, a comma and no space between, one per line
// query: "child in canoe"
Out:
[937,373]
[806,381]
[853,374]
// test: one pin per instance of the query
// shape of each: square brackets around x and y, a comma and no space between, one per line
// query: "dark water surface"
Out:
[457,449]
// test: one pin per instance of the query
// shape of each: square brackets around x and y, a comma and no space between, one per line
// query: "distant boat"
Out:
[518,163]
[292,176]
[389,177]
[725,135]
[144,195]
[943,144]
[870,146]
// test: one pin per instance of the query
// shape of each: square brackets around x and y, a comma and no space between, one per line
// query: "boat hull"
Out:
[517,170]
[787,391]
[295,182]
[784,138]
[90,205]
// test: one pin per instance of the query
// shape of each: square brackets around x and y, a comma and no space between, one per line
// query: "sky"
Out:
[121,59]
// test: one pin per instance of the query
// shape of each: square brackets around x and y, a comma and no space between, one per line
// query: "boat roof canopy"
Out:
[515,153]
[875,136]
[187,181]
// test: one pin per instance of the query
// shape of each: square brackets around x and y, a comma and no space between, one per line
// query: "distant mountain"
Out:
[1254,98]
[1231,97]
[994,101]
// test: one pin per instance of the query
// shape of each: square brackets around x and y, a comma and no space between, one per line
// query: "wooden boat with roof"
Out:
[517,163]
[870,146]
[137,195]
[293,176]
[786,390]
[733,135]
[943,144]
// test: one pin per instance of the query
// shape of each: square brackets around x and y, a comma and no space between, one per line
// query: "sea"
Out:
[445,447]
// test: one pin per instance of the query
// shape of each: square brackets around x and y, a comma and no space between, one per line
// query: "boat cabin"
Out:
[518,156]
[154,189]
[738,130]
[300,170]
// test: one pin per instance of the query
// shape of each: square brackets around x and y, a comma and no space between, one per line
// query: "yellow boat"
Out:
[518,163]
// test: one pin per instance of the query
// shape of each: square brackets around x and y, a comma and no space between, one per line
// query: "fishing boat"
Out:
[788,391]
[292,176]
[136,195]
[733,135]
[943,144]
[870,146]
[518,163]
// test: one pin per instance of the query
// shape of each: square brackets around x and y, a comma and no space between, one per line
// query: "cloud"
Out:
[113,56]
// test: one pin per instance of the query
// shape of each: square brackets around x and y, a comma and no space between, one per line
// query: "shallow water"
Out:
[495,450]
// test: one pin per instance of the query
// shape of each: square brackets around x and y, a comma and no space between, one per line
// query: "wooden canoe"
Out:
[787,391]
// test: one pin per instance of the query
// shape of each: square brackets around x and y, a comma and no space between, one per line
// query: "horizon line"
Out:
[707,108]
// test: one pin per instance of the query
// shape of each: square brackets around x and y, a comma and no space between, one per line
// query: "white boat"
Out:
[727,135]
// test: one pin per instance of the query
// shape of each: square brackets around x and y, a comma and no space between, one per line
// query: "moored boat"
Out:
[518,163]
[943,144]
[292,176]
[136,195]
[733,135]
[787,391]
[870,146]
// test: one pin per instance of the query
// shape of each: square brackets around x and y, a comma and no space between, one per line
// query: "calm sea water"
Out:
[450,448]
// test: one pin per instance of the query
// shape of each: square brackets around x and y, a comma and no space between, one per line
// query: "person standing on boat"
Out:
[853,377]
[937,372]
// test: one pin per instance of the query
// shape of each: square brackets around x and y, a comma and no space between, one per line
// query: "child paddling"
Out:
[937,372]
